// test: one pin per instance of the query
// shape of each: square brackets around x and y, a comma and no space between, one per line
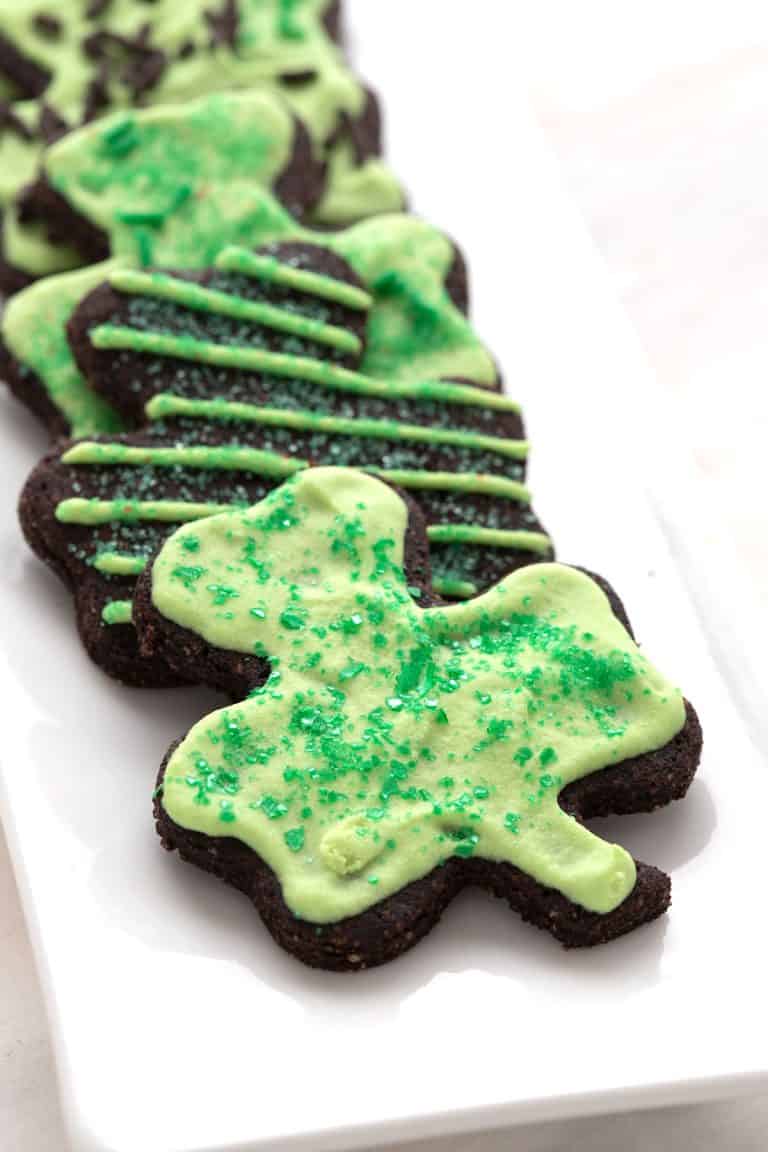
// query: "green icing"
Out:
[356,190]
[414,334]
[490,537]
[25,246]
[165,405]
[270,270]
[226,457]
[34,331]
[118,564]
[263,55]
[18,156]
[79,510]
[117,612]
[174,168]
[473,482]
[389,738]
[199,299]
[111,337]
[454,589]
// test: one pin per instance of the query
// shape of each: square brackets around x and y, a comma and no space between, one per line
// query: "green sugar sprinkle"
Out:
[294,838]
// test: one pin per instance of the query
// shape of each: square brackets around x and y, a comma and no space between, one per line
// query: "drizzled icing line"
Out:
[236,459]
[120,338]
[166,404]
[117,612]
[119,564]
[92,512]
[188,294]
[227,457]
[270,270]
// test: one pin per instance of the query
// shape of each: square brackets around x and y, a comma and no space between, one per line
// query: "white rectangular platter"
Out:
[179,1026]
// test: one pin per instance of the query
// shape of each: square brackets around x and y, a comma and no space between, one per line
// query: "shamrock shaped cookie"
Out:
[387,753]
[250,371]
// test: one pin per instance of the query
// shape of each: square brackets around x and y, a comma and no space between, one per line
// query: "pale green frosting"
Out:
[414,334]
[390,738]
[355,191]
[18,160]
[25,246]
[34,330]
[132,174]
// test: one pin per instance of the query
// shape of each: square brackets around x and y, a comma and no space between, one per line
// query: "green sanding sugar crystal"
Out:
[294,838]
[293,621]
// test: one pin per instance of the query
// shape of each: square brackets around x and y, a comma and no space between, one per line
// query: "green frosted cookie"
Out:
[393,747]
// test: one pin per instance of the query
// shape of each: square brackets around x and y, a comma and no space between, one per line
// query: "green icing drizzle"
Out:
[454,589]
[118,564]
[113,337]
[117,612]
[389,738]
[200,299]
[474,482]
[236,459]
[270,270]
[164,405]
[77,510]
[225,457]
[490,537]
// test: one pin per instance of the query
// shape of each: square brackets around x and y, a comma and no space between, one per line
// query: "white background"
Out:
[658,116]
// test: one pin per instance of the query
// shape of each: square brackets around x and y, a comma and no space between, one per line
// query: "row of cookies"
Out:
[294,472]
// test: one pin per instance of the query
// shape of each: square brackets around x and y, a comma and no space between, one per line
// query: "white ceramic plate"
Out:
[179,1026]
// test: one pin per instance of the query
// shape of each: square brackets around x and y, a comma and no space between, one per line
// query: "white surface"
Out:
[557,325]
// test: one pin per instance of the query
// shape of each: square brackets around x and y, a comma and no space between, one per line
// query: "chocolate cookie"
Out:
[243,375]
[391,751]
